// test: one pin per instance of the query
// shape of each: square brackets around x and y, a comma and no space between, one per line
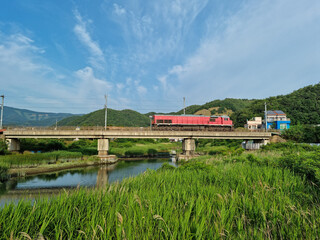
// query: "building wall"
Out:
[280,125]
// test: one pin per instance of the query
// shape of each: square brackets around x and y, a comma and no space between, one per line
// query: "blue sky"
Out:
[63,56]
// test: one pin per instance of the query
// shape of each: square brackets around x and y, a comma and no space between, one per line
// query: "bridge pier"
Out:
[188,146]
[103,148]
[13,144]
[255,144]
[188,149]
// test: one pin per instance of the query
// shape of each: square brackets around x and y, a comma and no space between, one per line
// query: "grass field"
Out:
[36,159]
[251,196]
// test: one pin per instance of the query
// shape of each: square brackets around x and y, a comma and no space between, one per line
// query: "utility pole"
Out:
[184,106]
[106,113]
[150,122]
[265,116]
[1,118]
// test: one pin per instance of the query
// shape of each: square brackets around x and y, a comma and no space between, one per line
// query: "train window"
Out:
[213,119]
[167,121]
[226,119]
[159,121]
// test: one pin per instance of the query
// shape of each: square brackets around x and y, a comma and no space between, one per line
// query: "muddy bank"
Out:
[29,171]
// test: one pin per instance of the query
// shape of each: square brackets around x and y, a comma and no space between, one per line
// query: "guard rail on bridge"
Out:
[188,144]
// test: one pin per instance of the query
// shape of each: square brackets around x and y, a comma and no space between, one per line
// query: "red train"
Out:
[191,123]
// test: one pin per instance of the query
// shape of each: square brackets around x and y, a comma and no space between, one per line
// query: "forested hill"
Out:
[130,118]
[126,117]
[301,106]
[218,106]
[22,117]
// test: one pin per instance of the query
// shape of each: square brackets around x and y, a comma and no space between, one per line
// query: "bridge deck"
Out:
[133,134]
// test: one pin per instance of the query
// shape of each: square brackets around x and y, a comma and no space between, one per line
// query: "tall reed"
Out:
[239,200]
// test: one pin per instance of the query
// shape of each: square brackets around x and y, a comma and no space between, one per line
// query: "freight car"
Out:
[191,123]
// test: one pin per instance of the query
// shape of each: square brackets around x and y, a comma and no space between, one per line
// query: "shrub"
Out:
[219,151]
[3,173]
[3,147]
[152,152]
[134,153]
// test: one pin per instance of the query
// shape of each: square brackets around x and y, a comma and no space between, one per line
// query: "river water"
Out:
[52,183]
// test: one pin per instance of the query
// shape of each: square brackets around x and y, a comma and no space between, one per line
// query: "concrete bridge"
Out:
[188,137]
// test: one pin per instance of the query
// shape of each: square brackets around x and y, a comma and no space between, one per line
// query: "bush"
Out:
[152,152]
[86,151]
[305,164]
[3,147]
[219,151]
[134,153]
[290,146]
[3,173]
[166,167]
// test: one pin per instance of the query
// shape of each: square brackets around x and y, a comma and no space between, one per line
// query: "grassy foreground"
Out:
[229,200]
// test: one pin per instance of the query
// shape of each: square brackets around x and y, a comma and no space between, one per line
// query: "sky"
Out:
[66,55]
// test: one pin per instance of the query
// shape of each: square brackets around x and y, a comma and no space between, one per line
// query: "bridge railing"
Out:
[101,128]
[91,128]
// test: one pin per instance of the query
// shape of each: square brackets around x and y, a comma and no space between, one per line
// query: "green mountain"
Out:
[128,118]
[22,117]
[301,106]
[220,106]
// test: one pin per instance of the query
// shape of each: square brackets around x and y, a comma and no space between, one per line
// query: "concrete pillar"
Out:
[13,144]
[103,147]
[255,144]
[188,146]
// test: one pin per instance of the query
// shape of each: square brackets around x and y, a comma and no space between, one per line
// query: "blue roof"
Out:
[275,112]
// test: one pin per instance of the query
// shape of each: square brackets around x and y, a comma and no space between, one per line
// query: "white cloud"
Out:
[80,29]
[28,81]
[141,90]
[163,81]
[118,9]
[120,86]
[267,48]
[159,28]
[177,69]
[128,81]
[90,84]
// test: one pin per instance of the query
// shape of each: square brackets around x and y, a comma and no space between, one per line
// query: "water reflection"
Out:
[98,176]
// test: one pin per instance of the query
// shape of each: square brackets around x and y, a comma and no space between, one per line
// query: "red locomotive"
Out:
[192,123]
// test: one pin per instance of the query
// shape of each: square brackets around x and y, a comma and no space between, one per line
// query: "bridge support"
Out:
[188,149]
[103,148]
[255,144]
[188,146]
[13,144]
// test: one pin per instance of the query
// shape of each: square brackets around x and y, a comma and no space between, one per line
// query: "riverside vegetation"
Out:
[272,193]
[50,154]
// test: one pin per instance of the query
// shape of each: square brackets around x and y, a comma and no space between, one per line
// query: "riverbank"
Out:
[75,163]
[48,168]
[272,193]
[202,199]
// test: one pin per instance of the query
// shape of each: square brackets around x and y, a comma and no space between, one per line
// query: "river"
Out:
[49,184]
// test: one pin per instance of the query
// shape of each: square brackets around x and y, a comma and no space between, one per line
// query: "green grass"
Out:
[229,200]
[19,160]
[142,149]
